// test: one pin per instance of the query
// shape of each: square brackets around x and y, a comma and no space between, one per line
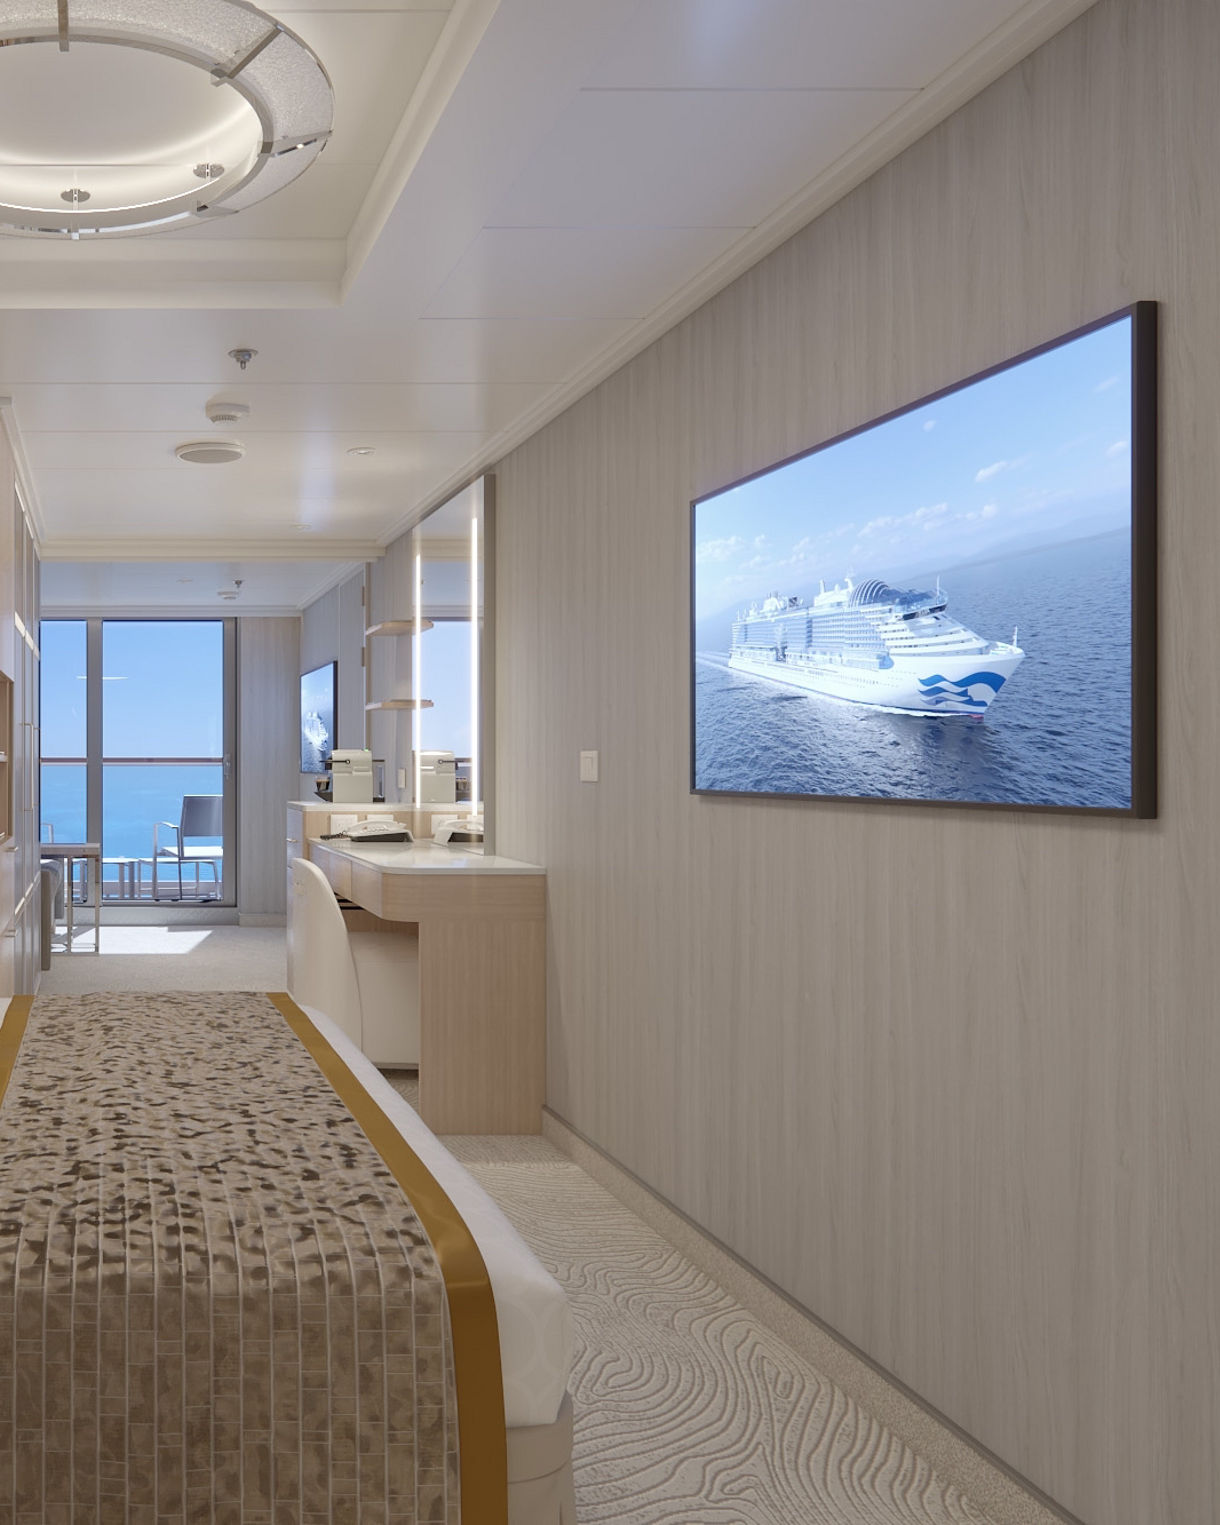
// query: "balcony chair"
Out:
[367,983]
[202,816]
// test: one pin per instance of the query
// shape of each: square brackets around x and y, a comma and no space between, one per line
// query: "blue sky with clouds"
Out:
[1038,453]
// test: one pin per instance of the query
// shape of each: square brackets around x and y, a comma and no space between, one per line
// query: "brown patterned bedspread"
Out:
[216,1304]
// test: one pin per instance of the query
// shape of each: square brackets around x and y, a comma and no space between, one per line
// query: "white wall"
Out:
[949,1078]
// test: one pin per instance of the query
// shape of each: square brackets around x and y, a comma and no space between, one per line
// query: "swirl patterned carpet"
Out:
[688,1411]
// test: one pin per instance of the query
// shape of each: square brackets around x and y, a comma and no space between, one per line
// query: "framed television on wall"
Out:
[319,705]
[954,604]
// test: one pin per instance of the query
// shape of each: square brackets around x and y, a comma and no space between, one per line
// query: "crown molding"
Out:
[157,272]
[460,36]
[25,477]
[316,549]
[218,609]
[1027,29]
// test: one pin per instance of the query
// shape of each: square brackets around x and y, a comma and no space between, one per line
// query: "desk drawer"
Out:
[298,847]
[339,872]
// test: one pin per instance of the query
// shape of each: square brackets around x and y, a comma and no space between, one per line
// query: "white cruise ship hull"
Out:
[933,683]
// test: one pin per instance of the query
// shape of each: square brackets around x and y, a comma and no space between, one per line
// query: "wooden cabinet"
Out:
[481,937]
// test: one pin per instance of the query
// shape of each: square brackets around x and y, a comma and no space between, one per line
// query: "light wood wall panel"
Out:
[268,752]
[949,1078]
[332,630]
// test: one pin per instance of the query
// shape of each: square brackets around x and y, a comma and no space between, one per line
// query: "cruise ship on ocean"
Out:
[869,643]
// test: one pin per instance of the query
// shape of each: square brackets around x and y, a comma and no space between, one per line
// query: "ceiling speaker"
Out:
[210,452]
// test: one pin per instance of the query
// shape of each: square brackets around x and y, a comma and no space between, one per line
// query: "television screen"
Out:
[953,604]
[318,699]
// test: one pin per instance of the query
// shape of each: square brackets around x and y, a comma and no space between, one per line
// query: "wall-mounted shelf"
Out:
[399,704]
[397,627]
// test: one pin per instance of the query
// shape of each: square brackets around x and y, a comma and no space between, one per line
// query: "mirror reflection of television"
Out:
[319,703]
[953,604]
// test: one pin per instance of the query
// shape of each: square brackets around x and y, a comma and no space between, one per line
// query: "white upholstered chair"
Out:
[367,983]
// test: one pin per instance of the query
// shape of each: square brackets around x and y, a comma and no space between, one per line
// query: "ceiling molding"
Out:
[218,609]
[445,547]
[461,35]
[25,477]
[159,272]
[1034,24]
[316,549]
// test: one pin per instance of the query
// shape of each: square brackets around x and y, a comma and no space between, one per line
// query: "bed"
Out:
[156,1376]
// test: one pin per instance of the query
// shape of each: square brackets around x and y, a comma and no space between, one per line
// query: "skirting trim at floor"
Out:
[986,1480]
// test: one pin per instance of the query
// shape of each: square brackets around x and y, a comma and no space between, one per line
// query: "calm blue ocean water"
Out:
[1058,733]
[134,797]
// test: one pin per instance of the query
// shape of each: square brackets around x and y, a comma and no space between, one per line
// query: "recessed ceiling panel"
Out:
[320,204]
[686,158]
[374,57]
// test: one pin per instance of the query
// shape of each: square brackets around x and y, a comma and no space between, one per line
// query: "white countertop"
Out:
[427,858]
[342,808]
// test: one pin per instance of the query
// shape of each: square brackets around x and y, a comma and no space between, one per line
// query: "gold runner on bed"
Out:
[216,1302]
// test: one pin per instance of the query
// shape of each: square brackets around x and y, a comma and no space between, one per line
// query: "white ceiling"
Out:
[517,197]
[144,588]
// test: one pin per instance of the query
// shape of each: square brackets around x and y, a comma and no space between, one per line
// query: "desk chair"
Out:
[202,816]
[367,983]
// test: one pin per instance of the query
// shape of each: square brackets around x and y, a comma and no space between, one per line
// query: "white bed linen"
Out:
[531,1308]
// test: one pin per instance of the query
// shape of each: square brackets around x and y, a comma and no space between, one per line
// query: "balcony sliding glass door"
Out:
[138,753]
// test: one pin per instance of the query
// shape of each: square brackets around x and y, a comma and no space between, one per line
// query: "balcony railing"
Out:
[137,792]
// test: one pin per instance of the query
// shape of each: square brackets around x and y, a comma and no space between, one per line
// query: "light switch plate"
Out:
[588,767]
[402,778]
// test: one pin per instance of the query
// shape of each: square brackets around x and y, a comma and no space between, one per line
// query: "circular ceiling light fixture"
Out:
[210,452]
[153,116]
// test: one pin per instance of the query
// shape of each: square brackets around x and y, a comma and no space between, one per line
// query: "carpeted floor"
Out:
[177,957]
[688,1411]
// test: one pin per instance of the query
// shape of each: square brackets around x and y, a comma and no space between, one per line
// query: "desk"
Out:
[91,852]
[482,973]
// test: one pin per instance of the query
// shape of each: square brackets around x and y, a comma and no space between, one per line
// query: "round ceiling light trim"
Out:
[210,452]
[250,87]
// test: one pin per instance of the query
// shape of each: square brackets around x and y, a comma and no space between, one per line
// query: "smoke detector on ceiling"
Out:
[227,412]
[210,452]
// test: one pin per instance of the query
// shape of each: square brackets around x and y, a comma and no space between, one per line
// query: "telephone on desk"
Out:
[372,831]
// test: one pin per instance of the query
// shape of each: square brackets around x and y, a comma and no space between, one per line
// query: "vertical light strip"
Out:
[474,666]
[417,676]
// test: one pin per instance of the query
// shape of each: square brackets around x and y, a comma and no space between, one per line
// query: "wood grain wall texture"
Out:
[949,1078]
[268,752]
